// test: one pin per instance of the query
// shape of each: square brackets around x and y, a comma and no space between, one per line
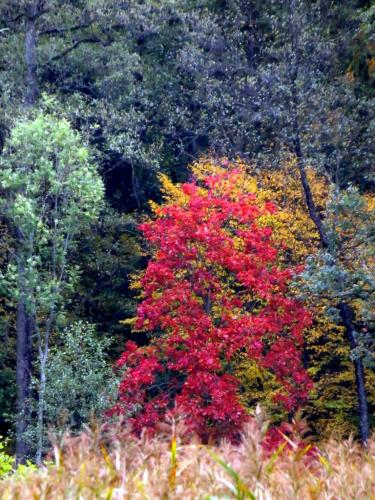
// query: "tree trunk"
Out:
[41,403]
[346,315]
[314,215]
[32,90]
[24,322]
[345,310]
[135,186]
[23,378]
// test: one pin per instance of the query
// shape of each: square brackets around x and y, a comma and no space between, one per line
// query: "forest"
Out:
[187,233]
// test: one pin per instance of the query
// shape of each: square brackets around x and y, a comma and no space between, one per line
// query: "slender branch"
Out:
[92,39]
[88,39]
[62,31]
[294,67]
[15,19]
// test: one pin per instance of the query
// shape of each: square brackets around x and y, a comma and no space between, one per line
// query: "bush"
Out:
[6,461]
[80,380]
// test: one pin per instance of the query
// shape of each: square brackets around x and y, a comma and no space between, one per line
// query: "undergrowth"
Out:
[114,465]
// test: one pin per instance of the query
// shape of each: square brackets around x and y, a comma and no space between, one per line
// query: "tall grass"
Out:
[100,465]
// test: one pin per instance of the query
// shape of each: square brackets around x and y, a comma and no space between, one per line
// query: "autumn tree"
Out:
[211,290]
[331,407]
[319,123]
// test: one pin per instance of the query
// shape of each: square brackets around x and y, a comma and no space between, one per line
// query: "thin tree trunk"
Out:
[24,322]
[41,403]
[345,310]
[23,376]
[43,357]
[32,90]
[135,186]
[346,315]
[314,215]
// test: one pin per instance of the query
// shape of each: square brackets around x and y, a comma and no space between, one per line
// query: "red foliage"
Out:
[290,438]
[212,289]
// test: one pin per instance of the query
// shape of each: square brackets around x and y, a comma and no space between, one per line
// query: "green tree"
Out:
[81,381]
[108,253]
[342,275]
[50,191]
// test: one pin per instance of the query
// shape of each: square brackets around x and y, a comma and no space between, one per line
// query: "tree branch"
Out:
[61,31]
[92,39]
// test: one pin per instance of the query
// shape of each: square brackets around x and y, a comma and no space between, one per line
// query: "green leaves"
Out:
[6,461]
[51,192]
[81,380]
[238,488]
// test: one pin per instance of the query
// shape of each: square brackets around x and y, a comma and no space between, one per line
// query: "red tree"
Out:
[211,290]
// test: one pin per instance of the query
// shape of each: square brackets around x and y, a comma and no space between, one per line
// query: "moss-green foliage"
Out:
[108,254]
[80,381]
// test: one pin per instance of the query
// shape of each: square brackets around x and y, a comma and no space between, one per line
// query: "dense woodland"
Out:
[174,174]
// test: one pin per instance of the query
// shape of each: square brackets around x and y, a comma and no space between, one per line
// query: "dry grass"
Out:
[92,466]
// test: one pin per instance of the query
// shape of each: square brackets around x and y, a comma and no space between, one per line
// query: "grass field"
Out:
[95,465]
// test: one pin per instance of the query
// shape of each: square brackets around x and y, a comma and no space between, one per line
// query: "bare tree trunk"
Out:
[43,349]
[32,90]
[314,215]
[346,315]
[23,375]
[135,186]
[41,403]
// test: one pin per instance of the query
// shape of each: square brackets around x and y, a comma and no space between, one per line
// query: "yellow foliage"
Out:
[172,193]
[258,387]
[333,400]
[291,224]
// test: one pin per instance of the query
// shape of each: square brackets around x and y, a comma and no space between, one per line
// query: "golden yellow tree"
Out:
[331,408]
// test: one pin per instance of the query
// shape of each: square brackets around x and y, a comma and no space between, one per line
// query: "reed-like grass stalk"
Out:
[114,465]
